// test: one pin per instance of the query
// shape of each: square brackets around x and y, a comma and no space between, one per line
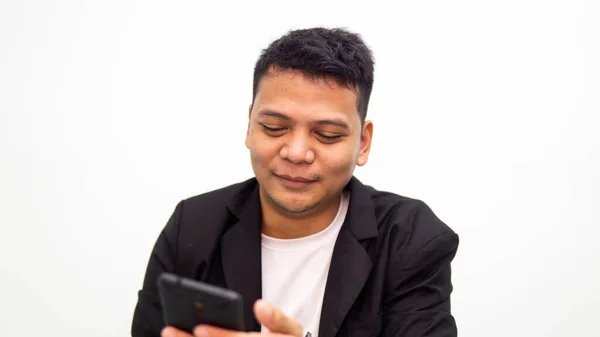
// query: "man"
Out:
[311,249]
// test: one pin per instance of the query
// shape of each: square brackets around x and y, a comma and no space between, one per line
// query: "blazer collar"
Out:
[350,263]
[360,218]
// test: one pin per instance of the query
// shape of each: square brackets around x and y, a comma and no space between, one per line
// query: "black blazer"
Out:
[389,274]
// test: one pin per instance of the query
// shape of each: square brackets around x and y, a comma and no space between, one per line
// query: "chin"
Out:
[293,205]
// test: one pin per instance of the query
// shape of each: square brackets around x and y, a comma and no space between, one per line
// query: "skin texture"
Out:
[305,139]
[307,129]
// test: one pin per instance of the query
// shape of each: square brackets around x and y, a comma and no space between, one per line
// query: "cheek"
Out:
[339,161]
[262,151]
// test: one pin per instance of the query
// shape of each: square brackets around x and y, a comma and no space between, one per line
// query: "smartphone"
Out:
[187,303]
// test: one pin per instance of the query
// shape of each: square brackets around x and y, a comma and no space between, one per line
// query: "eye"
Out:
[272,130]
[329,139]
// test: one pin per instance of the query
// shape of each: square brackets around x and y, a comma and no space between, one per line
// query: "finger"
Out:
[275,320]
[213,331]
[172,332]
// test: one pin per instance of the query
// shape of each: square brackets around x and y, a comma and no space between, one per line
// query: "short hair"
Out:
[322,53]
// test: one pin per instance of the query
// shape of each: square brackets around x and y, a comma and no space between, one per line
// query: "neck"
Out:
[279,224]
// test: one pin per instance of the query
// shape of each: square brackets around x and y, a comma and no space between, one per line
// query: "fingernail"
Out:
[200,332]
[265,309]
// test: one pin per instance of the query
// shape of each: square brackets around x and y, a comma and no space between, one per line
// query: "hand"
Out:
[278,324]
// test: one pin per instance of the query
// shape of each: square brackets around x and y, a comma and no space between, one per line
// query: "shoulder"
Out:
[206,214]
[198,221]
[410,224]
[219,199]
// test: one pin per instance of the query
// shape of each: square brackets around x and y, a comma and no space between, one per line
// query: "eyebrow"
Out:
[334,121]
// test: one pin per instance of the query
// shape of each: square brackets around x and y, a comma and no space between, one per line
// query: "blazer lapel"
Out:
[350,263]
[241,258]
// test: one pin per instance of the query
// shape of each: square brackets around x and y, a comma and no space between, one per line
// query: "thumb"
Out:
[275,320]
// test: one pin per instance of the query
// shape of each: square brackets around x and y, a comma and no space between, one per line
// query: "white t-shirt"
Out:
[294,271]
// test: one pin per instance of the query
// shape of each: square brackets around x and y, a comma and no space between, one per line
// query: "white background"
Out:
[113,111]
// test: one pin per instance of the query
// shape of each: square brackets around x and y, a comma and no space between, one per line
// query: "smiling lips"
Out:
[295,182]
[297,179]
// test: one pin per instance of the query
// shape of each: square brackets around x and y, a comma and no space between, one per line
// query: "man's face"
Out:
[305,138]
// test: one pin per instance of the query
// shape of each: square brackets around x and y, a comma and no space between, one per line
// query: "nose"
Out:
[298,150]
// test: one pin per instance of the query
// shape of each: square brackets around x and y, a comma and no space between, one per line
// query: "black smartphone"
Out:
[187,303]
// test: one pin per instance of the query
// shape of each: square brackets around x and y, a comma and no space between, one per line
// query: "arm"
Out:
[147,318]
[419,288]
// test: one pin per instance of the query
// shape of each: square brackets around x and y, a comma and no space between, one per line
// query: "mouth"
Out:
[295,182]
[297,179]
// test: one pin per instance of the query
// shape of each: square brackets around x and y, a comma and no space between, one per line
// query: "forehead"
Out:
[299,96]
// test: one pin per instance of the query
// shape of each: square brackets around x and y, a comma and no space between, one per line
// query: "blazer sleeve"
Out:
[147,317]
[420,284]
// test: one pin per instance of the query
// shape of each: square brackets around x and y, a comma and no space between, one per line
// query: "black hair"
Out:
[319,53]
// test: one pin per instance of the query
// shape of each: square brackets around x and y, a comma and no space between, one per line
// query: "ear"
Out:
[248,127]
[365,143]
